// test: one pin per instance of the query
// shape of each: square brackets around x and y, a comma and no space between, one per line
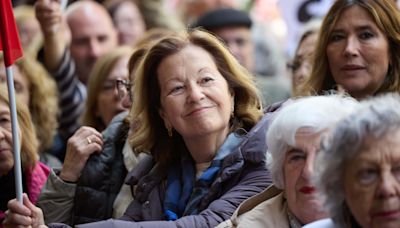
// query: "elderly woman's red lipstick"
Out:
[307,190]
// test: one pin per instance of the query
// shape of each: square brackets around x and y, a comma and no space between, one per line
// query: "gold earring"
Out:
[169,129]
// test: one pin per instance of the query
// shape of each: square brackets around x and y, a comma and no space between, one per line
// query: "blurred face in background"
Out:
[129,23]
[127,90]
[302,63]
[358,53]
[108,103]
[92,35]
[28,30]
[21,83]
[239,42]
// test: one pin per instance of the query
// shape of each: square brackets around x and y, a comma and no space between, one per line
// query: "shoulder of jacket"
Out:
[143,168]
[115,124]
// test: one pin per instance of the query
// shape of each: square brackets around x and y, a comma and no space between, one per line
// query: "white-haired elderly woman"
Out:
[293,141]
[358,171]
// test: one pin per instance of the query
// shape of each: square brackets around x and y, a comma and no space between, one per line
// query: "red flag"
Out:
[9,39]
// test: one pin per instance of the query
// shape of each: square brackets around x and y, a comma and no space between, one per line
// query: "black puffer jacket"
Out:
[102,176]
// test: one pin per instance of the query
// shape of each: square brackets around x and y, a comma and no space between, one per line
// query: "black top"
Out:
[7,189]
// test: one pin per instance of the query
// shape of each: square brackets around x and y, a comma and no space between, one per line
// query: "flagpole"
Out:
[11,47]
[63,4]
[16,143]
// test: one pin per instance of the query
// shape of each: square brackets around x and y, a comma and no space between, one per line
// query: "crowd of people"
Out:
[130,117]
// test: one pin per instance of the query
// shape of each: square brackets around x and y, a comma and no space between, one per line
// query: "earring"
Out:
[169,129]
[233,106]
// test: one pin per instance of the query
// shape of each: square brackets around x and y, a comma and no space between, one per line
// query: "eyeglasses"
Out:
[123,88]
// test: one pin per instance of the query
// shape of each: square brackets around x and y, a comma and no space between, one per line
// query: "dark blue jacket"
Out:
[243,175]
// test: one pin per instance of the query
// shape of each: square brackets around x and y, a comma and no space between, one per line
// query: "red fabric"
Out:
[9,39]
[35,180]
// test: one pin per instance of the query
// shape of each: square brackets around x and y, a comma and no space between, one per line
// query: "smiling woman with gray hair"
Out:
[293,141]
[358,169]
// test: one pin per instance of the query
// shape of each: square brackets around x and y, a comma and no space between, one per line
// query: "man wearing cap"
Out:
[234,28]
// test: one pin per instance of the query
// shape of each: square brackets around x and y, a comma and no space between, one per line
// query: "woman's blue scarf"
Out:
[184,194]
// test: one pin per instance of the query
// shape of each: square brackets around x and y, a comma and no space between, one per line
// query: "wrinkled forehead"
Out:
[190,57]
[379,149]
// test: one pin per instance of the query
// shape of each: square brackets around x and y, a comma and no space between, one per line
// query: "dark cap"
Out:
[222,18]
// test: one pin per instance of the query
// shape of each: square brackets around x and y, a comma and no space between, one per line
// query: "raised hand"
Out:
[80,146]
[49,15]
